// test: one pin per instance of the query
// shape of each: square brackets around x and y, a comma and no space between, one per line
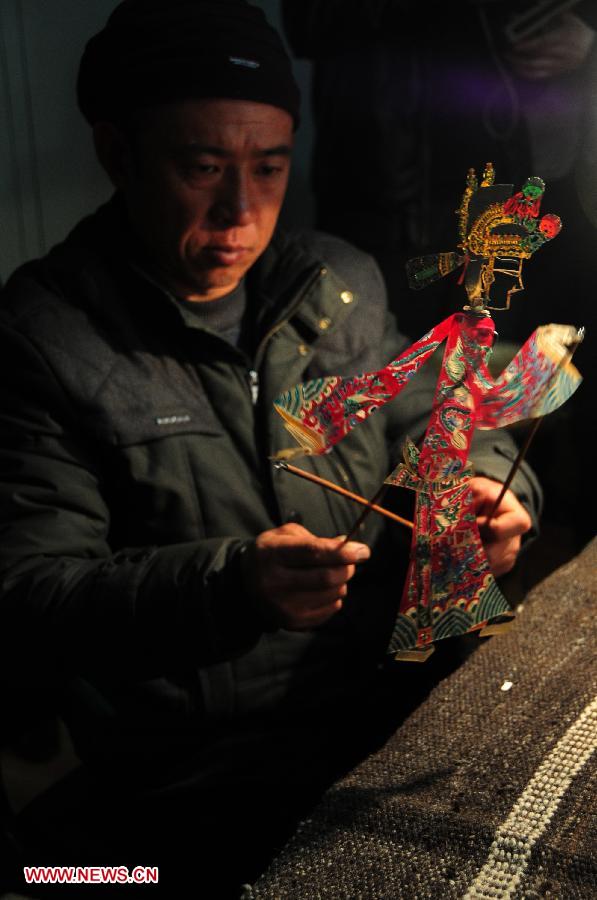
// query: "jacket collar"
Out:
[293,282]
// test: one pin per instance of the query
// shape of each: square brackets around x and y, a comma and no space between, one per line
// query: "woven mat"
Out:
[487,790]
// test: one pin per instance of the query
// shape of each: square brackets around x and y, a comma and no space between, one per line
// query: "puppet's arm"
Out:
[319,413]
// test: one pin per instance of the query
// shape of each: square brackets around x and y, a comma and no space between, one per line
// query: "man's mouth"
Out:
[226,254]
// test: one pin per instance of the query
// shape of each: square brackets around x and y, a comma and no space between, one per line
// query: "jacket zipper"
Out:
[343,474]
[253,378]
[253,374]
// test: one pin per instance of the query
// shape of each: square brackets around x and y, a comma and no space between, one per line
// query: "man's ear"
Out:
[113,151]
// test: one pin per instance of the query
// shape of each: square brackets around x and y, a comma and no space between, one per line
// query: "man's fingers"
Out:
[305,620]
[314,579]
[309,602]
[325,552]
[297,552]
[501,534]
[502,556]
[508,524]
[298,579]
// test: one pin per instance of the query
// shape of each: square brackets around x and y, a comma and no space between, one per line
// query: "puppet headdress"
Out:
[497,231]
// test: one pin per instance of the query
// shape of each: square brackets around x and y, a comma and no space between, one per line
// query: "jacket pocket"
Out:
[137,422]
[145,455]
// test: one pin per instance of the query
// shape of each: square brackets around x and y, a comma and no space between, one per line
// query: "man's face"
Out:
[204,185]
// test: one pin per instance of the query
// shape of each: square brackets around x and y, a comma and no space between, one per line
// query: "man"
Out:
[214,646]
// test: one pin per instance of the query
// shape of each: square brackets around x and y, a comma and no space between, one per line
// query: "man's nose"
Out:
[233,206]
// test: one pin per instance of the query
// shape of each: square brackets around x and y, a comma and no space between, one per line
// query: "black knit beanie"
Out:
[154,51]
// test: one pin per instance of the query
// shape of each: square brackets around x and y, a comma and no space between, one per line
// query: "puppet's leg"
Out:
[412,638]
[449,588]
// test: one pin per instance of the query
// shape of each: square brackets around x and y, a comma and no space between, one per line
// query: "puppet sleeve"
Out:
[536,382]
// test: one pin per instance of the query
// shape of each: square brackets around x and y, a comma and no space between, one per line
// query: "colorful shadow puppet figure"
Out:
[449,587]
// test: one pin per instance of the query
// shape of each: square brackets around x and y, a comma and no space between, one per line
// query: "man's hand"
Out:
[562,49]
[298,579]
[502,533]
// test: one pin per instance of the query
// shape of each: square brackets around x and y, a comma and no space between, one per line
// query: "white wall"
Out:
[49,177]
[48,173]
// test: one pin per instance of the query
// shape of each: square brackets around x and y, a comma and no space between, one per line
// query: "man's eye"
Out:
[268,171]
[198,169]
